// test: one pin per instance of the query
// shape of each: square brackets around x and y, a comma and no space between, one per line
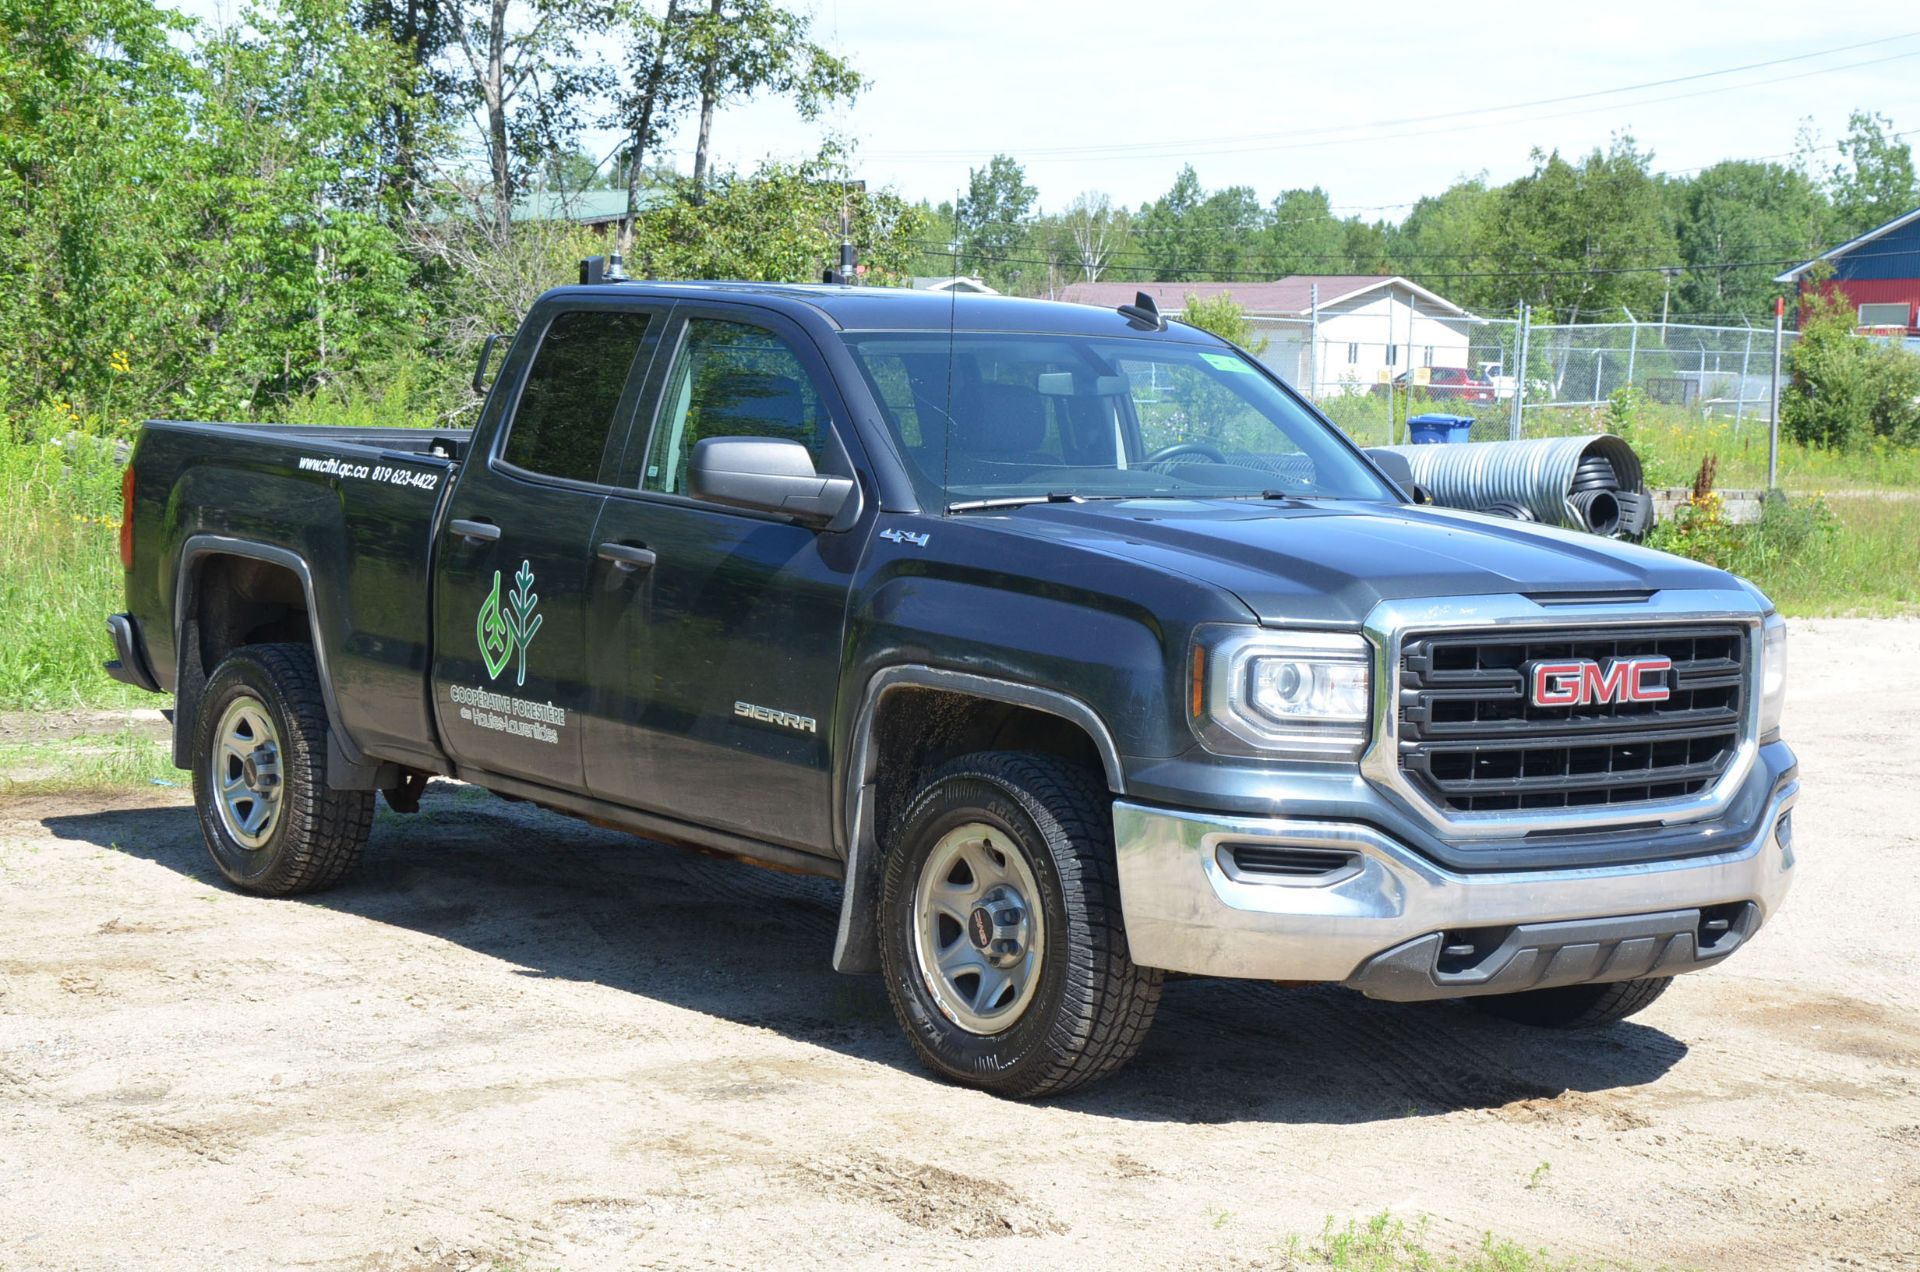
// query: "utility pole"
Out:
[1313,342]
[1740,398]
[1519,372]
[1773,411]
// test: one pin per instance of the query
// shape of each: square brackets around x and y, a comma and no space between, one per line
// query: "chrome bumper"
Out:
[1188,909]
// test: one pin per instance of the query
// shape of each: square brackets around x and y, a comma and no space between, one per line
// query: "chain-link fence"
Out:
[1372,368]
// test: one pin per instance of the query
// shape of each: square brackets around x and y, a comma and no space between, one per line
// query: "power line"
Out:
[1290,140]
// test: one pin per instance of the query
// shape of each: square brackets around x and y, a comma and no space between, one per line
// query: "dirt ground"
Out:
[517,1041]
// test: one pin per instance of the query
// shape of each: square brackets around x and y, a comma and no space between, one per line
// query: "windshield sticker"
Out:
[1227,362]
[504,632]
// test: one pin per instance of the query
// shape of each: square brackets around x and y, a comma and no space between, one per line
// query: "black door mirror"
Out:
[766,475]
[1400,471]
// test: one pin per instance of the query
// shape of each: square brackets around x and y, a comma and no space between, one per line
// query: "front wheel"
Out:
[1575,1006]
[1001,935]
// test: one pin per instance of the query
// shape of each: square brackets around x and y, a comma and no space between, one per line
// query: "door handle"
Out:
[626,558]
[475,531]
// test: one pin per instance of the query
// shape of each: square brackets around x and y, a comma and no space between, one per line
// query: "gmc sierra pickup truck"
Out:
[1075,643]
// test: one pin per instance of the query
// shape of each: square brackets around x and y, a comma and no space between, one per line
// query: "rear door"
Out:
[515,559]
[720,655]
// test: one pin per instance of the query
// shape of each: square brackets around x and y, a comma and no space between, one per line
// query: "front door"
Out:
[721,654]
[514,558]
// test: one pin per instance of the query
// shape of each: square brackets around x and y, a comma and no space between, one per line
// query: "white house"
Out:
[1326,333]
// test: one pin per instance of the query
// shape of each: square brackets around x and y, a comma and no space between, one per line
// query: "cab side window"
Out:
[567,408]
[731,379]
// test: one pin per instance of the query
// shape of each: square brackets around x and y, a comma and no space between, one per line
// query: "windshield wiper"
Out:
[1015,501]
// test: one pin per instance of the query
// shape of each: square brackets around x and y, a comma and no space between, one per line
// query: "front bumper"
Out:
[1394,923]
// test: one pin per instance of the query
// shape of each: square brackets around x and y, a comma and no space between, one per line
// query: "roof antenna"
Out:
[1143,314]
[846,272]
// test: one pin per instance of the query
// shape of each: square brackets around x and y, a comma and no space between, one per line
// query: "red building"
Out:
[1878,273]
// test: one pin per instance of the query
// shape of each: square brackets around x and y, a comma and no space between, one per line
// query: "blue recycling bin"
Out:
[1430,429]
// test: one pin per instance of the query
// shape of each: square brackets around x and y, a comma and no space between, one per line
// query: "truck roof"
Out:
[855,308]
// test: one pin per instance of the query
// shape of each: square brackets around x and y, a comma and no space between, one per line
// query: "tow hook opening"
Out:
[1723,926]
[1465,949]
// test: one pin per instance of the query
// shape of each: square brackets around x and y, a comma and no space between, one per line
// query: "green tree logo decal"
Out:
[501,632]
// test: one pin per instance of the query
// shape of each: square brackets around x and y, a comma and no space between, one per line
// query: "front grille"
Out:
[1472,742]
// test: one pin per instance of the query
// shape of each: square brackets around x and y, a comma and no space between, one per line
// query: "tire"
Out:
[1075,1007]
[1575,1006]
[271,823]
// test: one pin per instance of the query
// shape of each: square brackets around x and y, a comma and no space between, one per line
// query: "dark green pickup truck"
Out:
[1073,641]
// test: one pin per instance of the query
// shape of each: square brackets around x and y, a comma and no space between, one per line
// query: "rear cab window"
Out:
[570,403]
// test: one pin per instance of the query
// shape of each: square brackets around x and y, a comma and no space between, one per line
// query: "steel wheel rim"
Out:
[246,772]
[979,935]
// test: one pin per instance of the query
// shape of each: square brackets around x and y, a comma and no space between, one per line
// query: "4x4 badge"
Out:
[500,632]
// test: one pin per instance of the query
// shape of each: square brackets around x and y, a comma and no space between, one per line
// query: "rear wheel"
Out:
[1001,935]
[1574,1006]
[271,823]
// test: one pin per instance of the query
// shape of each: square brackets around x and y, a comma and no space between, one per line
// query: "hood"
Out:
[1331,563]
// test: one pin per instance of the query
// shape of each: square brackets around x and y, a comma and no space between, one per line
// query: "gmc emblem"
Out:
[1583,682]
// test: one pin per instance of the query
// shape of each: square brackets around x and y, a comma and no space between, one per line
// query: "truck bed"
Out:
[350,513]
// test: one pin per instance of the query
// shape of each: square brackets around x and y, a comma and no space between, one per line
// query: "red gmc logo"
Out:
[1583,682]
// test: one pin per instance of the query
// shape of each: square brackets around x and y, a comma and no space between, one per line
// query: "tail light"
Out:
[126,519]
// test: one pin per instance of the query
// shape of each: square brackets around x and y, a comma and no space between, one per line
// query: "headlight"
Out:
[1305,693]
[1773,675]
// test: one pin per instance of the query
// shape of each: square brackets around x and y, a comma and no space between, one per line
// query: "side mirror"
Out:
[766,475]
[1397,468]
[486,356]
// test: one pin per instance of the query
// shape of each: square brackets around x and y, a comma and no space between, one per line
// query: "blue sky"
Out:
[1115,95]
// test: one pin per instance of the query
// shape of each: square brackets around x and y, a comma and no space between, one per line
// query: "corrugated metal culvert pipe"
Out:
[1583,483]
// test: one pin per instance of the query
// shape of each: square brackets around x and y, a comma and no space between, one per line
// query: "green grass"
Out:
[1383,1243]
[59,572]
[1867,566]
[91,762]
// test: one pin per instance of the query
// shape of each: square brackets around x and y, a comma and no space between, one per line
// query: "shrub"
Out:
[1847,390]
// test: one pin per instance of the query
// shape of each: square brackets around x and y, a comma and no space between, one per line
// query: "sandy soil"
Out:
[520,1041]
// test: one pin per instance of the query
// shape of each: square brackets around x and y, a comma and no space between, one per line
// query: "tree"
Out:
[295,272]
[1583,238]
[1847,389]
[94,127]
[990,221]
[751,46]
[1874,180]
[1096,230]
[1743,211]
[525,74]
[1302,235]
[1173,241]
[780,223]
[422,30]
[1448,242]
[1224,317]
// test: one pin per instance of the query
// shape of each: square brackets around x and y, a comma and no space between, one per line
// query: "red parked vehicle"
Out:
[1455,384]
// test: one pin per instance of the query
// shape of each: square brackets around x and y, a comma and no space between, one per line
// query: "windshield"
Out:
[993,416]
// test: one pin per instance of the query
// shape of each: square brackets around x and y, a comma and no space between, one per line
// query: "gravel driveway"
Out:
[519,1041]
